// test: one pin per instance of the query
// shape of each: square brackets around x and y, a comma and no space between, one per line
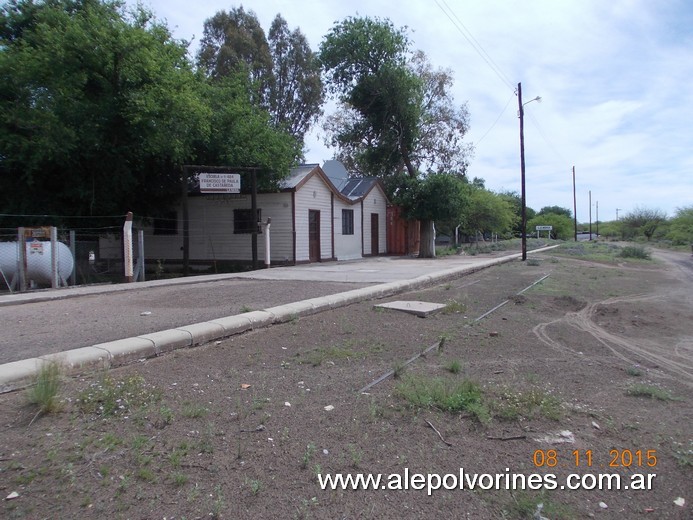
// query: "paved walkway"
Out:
[106,326]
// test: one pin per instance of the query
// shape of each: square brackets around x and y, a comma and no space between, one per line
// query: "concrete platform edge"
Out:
[20,374]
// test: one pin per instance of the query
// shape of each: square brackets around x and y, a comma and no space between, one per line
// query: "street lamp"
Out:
[522,167]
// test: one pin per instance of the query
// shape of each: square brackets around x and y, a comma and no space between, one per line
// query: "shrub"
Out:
[634,252]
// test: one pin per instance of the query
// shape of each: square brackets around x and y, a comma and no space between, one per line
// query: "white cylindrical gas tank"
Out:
[38,260]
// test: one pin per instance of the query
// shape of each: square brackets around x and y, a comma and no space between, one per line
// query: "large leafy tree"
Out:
[396,119]
[243,134]
[396,112]
[234,42]
[296,95]
[282,68]
[97,107]
[439,198]
[489,213]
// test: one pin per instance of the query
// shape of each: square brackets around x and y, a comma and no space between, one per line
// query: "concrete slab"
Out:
[290,311]
[258,319]
[233,324]
[76,360]
[204,332]
[168,340]
[19,374]
[420,309]
[129,350]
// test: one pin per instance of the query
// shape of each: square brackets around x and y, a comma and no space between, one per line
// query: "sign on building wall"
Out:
[220,182]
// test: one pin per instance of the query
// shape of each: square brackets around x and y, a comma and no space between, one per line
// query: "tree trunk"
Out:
[427,247]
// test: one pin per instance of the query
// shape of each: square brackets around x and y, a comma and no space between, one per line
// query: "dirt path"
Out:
[244,428]
[675,360]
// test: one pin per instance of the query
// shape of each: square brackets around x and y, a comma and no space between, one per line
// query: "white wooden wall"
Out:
[375,202]
[347,247]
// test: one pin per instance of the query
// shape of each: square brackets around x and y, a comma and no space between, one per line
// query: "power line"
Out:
[475,44]
[497,119]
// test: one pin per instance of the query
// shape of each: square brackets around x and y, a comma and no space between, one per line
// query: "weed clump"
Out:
[44,393]
[637,252]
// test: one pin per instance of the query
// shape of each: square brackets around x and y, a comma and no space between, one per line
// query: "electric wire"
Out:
[475,44]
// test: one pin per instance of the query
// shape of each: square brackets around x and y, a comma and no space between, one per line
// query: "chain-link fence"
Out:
[40,252]
[93,250]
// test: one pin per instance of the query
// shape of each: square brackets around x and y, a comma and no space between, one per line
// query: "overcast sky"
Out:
[614,77]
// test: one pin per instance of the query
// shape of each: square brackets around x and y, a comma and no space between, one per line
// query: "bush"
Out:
[634,252]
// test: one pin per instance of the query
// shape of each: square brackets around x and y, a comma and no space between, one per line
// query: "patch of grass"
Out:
[526,506]
[179,479]
[534,262]
[638,252]
[166,415]
[46,387]
[683,455]
[459,396]
[245,308]
[650,391]
[454,307]
[307,455]
[634,371]
[110,397]
[318,356]
[511,405]
[194,411]
[398,370]
[254,484]
[454,367]
[356,455]
[146,474]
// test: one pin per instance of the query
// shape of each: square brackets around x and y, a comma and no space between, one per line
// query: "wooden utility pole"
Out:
[590,214]
[522,173]
[574,207]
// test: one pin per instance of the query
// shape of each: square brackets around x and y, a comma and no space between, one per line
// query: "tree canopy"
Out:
[282,68]
[396,111]
[681,226]
[97,105]
[100,107]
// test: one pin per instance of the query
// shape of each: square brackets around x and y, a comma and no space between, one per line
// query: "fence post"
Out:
[127,247]
[139,277]
[72,279]
[55,282]
[21,259]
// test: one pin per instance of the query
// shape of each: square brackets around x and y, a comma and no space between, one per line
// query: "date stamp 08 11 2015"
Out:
[617,458]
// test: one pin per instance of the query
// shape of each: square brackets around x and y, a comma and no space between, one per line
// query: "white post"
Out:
[127,248]
[73,249]
[267,242]
[21,259]
[55,283]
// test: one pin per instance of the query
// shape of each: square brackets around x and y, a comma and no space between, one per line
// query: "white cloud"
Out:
[614,77]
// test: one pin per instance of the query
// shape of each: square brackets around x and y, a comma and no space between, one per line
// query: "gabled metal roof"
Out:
[296,176]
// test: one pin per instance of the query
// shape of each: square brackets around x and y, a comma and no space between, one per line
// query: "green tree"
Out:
[489,213]
[234,42]
[436,198]
[515,201]
[296,94]
[681,226]
[563,226]
[556,210]
[283,70]
[643,221]
[396,118]
[97,107]
[396,112]
[243,134]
